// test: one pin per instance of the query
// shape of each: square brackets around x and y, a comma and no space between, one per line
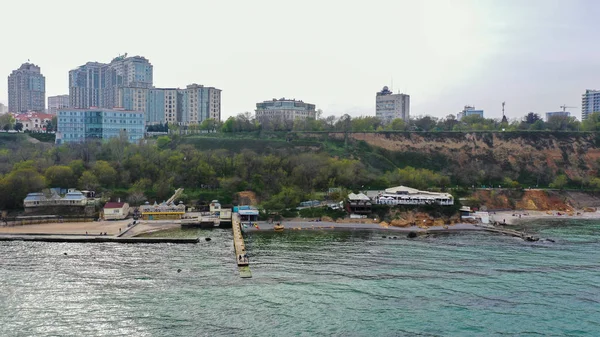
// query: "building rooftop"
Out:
[112,204]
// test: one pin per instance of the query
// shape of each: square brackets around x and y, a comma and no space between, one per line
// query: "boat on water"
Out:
[278,227]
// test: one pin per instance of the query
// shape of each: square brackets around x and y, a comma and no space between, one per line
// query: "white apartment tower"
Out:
[389,106]
[590,103]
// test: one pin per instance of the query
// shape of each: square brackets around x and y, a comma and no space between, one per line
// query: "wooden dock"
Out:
[240,248]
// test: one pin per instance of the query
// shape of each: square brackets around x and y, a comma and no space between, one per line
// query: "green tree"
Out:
[592,123]
[78,167]
[88,181]
[17,184]
[7,121]
[559,182]
[163,142]
[397,124]
[105,173]
[60,176]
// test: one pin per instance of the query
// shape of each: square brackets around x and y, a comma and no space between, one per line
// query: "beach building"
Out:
[218,210]
[358,204]
[116,210]
[402,195]
[60,202]
[163,211]
[247,213]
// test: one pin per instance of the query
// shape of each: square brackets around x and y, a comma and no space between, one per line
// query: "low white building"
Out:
[402,195]
[116,210]
[51,198]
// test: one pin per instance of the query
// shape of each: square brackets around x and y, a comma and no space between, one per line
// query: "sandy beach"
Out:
[516,217]
[71,228]
[116,227]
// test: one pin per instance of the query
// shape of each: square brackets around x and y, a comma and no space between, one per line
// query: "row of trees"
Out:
[154,169]
[246,123]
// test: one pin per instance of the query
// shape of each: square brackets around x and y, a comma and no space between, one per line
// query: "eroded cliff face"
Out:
[486,157]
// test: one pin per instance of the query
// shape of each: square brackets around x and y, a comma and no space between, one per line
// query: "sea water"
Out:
[309,283]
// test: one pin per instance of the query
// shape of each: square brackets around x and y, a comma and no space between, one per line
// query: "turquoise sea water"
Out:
[309,283]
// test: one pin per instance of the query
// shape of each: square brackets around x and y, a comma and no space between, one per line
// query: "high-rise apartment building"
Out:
[86,85]
[26,89]
[200,103]
[97,84]
[57,102]
[127,82]
[192,105]
[389,106]
[3,108]
[590,103]
[283,111]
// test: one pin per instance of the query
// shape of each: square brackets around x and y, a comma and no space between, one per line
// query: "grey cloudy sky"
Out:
[534,54]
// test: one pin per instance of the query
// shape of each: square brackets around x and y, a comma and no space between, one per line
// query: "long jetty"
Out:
[511,232]
[240,248]
[92,239]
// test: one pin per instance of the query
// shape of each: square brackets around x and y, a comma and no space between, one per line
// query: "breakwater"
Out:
[95,239]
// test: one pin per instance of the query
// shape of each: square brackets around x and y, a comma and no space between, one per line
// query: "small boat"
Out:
[278,227]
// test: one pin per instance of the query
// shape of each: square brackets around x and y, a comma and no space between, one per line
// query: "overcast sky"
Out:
[534,54]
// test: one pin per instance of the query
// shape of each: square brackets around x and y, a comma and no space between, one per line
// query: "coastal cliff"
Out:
[480,158]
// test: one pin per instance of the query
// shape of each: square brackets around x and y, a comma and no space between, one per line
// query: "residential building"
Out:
[127,83]
[590,103]
[557,113]
[200,103]
[469,111]
[191,105]
[57,102]
[87,85]
[3,108]
[79,125]
[26,89]
[97,84]
[33,121]
[116,210]
[389,106]
[284,110]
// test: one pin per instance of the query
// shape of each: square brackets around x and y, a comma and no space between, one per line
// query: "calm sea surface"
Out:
[309,283]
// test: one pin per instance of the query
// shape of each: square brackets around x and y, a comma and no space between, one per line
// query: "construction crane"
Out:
[565,107]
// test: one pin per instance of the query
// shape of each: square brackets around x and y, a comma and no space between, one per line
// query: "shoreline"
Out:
[124,229]
[518,217]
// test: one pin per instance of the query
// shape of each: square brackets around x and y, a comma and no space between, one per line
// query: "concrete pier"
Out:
[92,239]
[240,248]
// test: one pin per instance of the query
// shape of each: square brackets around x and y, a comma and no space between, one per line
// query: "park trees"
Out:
[17,184]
